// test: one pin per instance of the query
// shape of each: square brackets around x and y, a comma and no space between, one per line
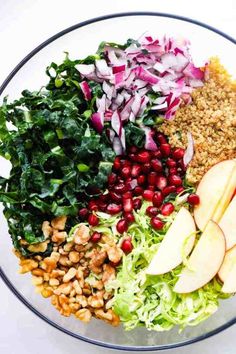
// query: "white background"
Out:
[23,25]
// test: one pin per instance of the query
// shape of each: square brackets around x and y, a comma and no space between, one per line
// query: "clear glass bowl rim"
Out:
[2,88]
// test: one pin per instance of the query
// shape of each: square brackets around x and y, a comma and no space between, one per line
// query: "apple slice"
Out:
[228,224]
[215,191]
[178,239]
[228,263]
[230,281]
[205,260]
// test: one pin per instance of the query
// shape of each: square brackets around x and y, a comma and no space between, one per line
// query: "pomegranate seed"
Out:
[129,217]
[133,157]
[143,156]
[125,163]
[161,138]
[157,199]
[126,171]
[135,170]
[175,180]
[151,211]
[104,197]
[173,171]
[133,149]
[114,265]
[152,188]
[114,208]
[92,205]
[122,226]
[138,190]
[167,209]
[169,189]
[157,154]
[156,165]
[193,199]
[93,220]
[83,213]
[115,197]
[152,178]
[137,203]
[179,189]
[178,153]
[126,245]
[127,195]
[165,149]
[146,167]
[96,236]
[141,180]
[120,188]
[102,205]
[128,205]
[161,182]
[170,162]
[157,223]
[112,179]
[117,164]
[148,194]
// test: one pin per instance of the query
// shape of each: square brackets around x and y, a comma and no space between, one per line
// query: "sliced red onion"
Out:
[97,120]
[108,89]
[133,183]
[111,135]
[145,75]
[102,67]
[193,72]
[85,69]
[149,142]
[136,104]
[189,152]
[101,103]
[195,83]
[86,90]
[159,100]
[125,113]
[161,106]
[117,147]
[118,69]
[119,79]
[143,106]
[122,139]
[116,123]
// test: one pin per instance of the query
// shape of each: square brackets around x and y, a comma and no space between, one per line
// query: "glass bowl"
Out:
[81,40]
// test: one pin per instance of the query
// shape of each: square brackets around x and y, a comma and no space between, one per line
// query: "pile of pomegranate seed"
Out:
[141,174]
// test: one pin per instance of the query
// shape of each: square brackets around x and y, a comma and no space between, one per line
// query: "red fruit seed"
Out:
[143,156]
[122,226]
[167,209]
[175,180]
[193,199]
[161,182]
[126,245]
[165,149]
[178,153]
[157,223]
[156,165]
[161,138]
[112,179]
[129,217]
[137,202]
[96,236]
[151,211]
[152,178]
[138,191]
[117,164]
[115,197]
[114,208]
[169,189]
[126,172]
[179,190]
[135,170]
[93,220]
[141,180]
[83,213]
[127,205]
[92,205]
[148,194]
[157,199]
[170,162]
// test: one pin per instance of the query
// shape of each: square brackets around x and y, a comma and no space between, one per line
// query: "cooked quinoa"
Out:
[211,118]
